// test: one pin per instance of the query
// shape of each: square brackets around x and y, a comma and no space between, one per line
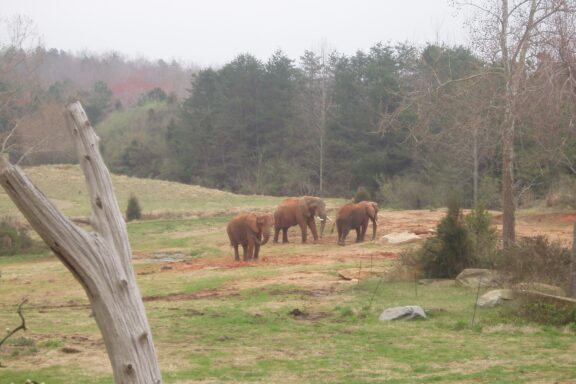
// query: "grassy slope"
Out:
[222,324]
[65,185]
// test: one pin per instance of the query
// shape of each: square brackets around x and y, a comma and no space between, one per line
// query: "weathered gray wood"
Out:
[101,260]
[572,289]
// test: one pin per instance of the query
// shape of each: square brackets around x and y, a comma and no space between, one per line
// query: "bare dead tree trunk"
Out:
[476,174]
[572,290]
[508,206]
[101,260]
[514,71]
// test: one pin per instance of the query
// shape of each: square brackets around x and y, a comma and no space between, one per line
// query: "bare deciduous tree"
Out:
[317,100]
[508,33]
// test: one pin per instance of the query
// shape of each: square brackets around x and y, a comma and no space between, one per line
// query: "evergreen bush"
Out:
[483,236]
[133,212]
[447,254]
[362,194]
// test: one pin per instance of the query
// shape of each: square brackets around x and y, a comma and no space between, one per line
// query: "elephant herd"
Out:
[252,230]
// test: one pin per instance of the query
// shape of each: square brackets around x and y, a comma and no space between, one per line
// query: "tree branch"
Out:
[22,325]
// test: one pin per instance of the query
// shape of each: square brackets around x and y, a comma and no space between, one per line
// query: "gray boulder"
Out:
[399,238]
[472,277]
[494,298]
[410,312]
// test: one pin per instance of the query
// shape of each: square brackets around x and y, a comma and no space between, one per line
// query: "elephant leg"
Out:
[236,255]
[284,235]
[276,233]
[245,253]
[250,251]
[344,232]
[364,229]
[312,225]
[304,231]
[358,234]
[256,251]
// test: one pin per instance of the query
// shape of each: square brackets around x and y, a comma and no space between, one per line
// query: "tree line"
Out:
[407,123]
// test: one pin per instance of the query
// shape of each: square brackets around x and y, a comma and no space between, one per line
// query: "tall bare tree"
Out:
[316,100]
[508,33]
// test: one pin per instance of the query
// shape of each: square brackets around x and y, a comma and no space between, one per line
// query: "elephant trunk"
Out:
[374,225]
[322,217]
[266,235]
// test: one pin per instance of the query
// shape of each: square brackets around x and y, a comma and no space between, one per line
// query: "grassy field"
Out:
[286,319]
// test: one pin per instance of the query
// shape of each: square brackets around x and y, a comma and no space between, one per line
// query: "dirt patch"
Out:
[209,293]
[85,351]
[298,314]
[319,258]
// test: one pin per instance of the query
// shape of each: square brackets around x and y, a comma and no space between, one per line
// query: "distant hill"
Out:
[65,186]
[128,79]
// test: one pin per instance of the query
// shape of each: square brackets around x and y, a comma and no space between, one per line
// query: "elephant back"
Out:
[236,229]
[286,212]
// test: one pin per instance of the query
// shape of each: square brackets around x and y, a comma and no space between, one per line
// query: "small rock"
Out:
[495,297]
[399,238]
[70,350]
[296,312]
[410,312]
[472,277]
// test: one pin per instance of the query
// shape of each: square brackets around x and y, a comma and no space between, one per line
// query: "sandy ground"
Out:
[557,226]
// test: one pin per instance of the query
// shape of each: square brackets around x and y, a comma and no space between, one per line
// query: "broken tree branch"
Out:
[22,325]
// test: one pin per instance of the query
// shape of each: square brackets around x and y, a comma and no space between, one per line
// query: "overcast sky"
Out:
[213,32]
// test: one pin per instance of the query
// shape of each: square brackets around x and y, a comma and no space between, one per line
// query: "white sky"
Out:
[213,32]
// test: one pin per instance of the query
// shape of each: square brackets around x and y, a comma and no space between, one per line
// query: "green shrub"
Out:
[362,194]
[404,192]
[483,236]
[536,260]
[447,254]
[489,192]
[562,193]
[13,238]
[540,311]
[133,212]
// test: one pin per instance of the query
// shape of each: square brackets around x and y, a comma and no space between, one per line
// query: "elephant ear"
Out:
[252,222]
[306,205]
[371,208]
[262,219]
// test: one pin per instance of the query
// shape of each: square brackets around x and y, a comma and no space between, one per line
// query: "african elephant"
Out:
[355,216]
[299,211]
[250,230]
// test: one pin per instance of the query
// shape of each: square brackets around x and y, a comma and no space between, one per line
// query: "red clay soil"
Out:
[557,226]
[320,258]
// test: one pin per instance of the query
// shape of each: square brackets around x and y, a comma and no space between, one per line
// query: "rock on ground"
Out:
[410,312]
[399,238]
[495,297]
[472,277]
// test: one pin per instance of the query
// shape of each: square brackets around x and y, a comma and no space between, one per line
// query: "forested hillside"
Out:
[409,124]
